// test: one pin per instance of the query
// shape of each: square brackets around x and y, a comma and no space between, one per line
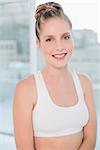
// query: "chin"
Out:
[59,66]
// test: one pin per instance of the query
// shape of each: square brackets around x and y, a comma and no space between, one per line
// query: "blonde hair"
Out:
[46,11]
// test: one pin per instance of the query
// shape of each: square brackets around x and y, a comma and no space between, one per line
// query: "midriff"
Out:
[69,142]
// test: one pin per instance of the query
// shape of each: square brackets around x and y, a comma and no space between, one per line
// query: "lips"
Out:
[59,56]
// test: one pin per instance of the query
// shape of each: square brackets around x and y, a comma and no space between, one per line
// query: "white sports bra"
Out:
[51,120]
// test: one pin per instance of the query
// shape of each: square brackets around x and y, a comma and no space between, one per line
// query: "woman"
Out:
[54,108]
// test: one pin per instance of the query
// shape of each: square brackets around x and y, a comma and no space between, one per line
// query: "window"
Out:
[14,61]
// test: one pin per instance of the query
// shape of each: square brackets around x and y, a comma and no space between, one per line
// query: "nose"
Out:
[59,45]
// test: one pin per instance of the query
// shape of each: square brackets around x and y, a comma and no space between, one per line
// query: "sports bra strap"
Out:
[78,84]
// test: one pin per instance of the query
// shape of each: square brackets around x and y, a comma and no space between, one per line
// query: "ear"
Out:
[37,43]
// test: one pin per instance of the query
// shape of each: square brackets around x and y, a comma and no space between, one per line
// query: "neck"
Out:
[57,73]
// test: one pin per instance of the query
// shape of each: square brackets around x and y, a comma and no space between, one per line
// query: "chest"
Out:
[62,94]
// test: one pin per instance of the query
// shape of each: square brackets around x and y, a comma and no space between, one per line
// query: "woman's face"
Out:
[56,42]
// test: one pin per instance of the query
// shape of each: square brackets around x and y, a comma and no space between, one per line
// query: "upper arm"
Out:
[22,115]
[90,128]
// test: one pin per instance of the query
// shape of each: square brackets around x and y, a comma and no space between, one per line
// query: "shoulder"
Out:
[87,87]
[26,83]
[86,81]
[25,90]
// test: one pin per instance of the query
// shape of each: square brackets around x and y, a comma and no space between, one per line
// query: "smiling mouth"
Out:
[59,56]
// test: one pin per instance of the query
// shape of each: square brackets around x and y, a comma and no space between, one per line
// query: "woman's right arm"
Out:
[22,115]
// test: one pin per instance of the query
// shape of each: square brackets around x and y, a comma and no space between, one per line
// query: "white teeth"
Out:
[59,55]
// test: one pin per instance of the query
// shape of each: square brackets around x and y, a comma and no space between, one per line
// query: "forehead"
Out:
[55,26]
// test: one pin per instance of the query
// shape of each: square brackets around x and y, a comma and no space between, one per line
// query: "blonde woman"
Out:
[54,108]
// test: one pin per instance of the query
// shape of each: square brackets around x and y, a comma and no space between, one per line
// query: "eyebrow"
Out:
[68,33]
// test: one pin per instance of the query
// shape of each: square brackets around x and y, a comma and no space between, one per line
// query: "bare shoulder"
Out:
[86,82]
[26,90]
[24,102]
[87,87]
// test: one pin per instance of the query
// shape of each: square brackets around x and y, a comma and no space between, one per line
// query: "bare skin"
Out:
[26,95]
[71,142]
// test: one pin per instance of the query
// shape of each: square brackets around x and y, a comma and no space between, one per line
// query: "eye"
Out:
[48,40]
[66,37]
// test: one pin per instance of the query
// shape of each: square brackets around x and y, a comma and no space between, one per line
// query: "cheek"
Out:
[69,47]
[45,50]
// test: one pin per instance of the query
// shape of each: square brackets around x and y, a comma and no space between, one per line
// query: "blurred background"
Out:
[20,58]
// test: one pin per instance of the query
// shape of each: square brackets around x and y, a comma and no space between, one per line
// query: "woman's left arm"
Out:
[89,131]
